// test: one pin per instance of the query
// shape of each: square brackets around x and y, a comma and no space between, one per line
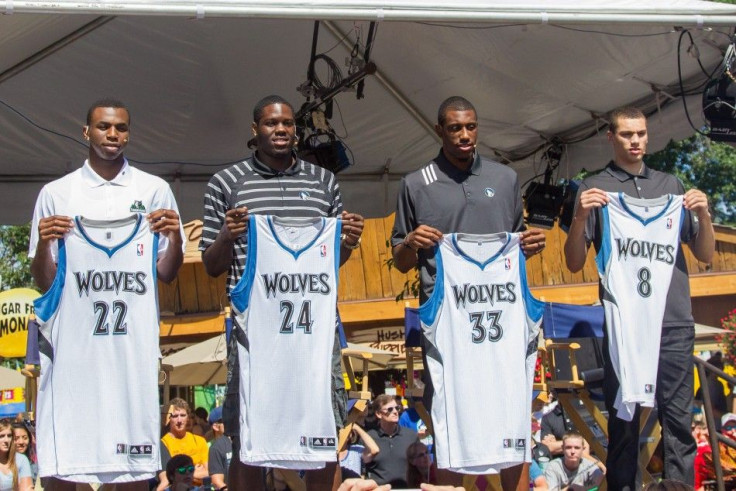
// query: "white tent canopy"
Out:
[537,72]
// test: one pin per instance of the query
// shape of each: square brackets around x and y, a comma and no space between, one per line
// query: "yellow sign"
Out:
[16,306]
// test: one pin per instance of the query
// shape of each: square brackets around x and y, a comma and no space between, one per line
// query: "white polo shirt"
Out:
[83,192]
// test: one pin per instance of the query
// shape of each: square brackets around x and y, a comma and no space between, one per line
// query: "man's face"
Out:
[389,412]
[729,429]
[572,449]
[108,132]
[459,134]
[178,420]
[629,140]
[275,131]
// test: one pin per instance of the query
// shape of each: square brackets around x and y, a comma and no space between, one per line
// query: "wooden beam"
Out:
[186,325]
[375,310]
[709,284]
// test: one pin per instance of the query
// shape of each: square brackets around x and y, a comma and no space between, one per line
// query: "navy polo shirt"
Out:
[483,200]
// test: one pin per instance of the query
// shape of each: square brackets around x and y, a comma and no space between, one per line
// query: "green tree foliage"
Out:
[15,265]
[705,165]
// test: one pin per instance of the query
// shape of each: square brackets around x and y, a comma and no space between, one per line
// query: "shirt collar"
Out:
[450,169]
[398,431]
[622,175]
[93,179]
[267,170]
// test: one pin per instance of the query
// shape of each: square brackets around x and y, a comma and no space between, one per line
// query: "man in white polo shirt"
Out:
[104,188]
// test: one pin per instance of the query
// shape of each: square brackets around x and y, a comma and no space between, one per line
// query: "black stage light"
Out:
[543,203]
[719,100]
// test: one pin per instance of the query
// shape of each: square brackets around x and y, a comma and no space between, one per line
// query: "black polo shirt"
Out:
[389,465]
[484,200]
[649,184]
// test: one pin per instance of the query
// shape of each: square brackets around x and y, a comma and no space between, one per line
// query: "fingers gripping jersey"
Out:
[481,324]
[639,245]
[285,305]
[98,415]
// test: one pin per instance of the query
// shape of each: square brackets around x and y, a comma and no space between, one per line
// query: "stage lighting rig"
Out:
[719,100]
[544,200]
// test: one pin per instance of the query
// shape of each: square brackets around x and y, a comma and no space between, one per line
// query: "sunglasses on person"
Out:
[185,470]
[730,427]
[390,409]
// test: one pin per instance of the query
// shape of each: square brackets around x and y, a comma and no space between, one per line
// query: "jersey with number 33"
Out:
[640,240]
[480,325]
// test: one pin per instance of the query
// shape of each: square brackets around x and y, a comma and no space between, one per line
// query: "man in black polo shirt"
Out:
[674,389]
[458,191]
[389,465]
[275,182]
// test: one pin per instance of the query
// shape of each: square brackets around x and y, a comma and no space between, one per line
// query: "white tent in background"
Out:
[10,379]
[540,72]
[203,363]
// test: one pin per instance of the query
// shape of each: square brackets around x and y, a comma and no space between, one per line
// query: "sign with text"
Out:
[16,307]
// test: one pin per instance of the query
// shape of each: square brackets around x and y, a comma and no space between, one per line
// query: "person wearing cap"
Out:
[704,467]
[221,451]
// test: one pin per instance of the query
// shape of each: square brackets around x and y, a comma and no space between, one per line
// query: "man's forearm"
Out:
[576,249]
[218,256]
[405,258]
[704,244]
[43,268]
[168,265]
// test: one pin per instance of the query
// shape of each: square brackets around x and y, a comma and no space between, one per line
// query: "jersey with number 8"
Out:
[640,240]
[98,341]
[285,306]
[480,325]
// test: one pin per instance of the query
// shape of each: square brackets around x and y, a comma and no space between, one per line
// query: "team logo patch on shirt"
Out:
[669,223]
[507,263]
[139,249]
[323,250]
[304,195]
[490,192]
[137,206]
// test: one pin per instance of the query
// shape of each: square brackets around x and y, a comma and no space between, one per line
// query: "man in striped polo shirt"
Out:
[272,181]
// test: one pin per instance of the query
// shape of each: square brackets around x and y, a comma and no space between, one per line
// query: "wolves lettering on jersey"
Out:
[99,334]
[285,306]
[635,262]
[480,325]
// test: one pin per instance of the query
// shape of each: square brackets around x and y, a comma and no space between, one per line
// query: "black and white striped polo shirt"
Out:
[302,191]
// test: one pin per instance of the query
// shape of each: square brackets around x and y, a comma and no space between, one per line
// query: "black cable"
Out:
[334,75]
[682,89]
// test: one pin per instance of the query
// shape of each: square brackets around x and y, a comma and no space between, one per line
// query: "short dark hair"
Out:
[626,112]
[201,412]
[178,460]
[106,102]
[456,103]
[381,400]
[267,101]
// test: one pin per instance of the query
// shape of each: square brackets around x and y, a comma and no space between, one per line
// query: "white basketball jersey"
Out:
[481,323]
[285,305]
[98,414]
[639,245]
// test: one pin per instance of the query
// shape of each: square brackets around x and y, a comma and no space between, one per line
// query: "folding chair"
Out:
[578,331]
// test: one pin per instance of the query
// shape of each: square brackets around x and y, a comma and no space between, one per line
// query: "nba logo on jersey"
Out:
[507,264]
[139,249]
[323,250]
[649,389]
[507,443]
[669,223]
[122,448]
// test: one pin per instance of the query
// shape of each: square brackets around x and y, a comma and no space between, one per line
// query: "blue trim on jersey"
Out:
[109,250]
[154,266]
[298,252]
[604,253]
[644,221]
[240,294]
[45,305]
[482,265]
[338,234]
[428,310]
[534,307]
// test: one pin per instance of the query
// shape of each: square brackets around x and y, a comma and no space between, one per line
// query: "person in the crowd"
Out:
[716,390]
[627,173]
[180,473]
[704,466]
[24,444]
[221,451]
[389,465]
[419,465]
[180,441]
[15,469]
[371,485]
[573,471]
[201,426]
[360,448]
